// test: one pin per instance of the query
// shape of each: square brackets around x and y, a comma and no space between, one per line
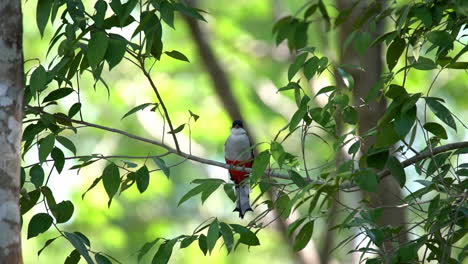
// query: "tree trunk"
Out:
[389,192]
[11,96]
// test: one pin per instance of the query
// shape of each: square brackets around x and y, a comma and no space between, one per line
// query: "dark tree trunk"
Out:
[389,192]
[11,96]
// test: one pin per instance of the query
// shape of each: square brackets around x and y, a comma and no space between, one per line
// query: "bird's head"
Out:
[237,127]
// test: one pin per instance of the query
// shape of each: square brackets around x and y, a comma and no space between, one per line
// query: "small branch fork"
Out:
[418,157]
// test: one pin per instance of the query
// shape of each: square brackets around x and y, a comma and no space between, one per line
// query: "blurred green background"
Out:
[240,34]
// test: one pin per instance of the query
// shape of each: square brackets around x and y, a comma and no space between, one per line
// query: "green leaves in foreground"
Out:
[39,223]
[367,180]
[140,107]
[206,187]
[304,236]
[111,180]
[260,164]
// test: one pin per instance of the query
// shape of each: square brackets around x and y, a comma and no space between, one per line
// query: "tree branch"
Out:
[272,173]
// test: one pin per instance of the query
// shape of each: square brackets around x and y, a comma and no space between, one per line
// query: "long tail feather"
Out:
[243,199]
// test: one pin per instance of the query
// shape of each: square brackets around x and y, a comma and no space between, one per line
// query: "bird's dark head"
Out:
[237,124]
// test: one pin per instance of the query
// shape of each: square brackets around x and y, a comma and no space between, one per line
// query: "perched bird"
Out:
[238,152]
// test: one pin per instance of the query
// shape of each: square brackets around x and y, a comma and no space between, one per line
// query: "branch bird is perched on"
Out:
[238,152]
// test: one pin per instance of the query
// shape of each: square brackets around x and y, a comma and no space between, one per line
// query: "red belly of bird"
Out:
[238,176]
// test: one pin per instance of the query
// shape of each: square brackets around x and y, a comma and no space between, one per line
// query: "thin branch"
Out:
[382,174]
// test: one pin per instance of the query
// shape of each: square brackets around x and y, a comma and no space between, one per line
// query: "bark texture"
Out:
[11,95]
[389,193]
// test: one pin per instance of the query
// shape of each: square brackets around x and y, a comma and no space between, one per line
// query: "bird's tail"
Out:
[243,199]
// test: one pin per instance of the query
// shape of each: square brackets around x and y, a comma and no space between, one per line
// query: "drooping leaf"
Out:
[213,235]
[202,244]
[111,180]
[39,224]
[45,147]
[394,52]
[187,241]
[36,173]
[397,170]
[74,109]
[101,259]
[350,115]
[79,244]
[162,165]
[43,10]
[294,68]
[303,236]
[59,159]
[97,48]
[66,143]
[142,178]
[177,129]
[115,51]
[228,237]
[260,164]
[297,179]
[164,252]
[73,258]
[145,248]
[367,180]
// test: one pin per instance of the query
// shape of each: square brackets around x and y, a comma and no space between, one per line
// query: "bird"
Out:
[238,152]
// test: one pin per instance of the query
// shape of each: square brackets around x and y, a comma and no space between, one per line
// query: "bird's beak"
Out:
[236,126]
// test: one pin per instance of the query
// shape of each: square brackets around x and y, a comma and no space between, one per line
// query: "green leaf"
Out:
[362,42]
[396,92]
[377,159]
[354,148]
[292,227]
[195,117]
[210,188]
[162,165]
[115,51]
[228,237]
[213,235]
[387,136]
[73,258]
[78,242]
[42,14]
[63,211]
[137,108]
[38,80]
[202,244]
[48,196]
[100,7]
[59,159]
[228,189]
[46,244]
[394,52]
[142,178]
[294,68]
[45,147]
[326,89]
[67,143]
[111,180]
[433,206]
[74,109]
[404,122]
[198,189]
[441,112]
[397,170]
[440,38]
[347,78]
[436,129]
[297,179]
[97,48]
[164,252]
[36,173]
[247,237]
[260,164]
[350,115]
[101,259]
[290,86]
[367,180]
[304,236]
[311,67]
[300,113]
[145,248]
[177,55]
[423,64]
[167,13]
[376,235]
[58,94]
[187,241]
[39,224]
[177,130]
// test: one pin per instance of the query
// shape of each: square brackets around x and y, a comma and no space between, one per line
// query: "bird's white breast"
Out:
[237,146]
